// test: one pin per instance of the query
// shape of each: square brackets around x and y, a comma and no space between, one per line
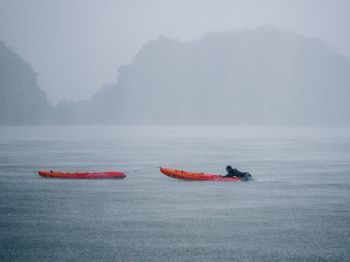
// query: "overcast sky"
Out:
[76,46]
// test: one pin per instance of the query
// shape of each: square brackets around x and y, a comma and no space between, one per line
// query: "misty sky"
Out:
[76,46]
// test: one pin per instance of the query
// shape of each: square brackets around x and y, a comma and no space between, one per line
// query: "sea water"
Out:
[296,209]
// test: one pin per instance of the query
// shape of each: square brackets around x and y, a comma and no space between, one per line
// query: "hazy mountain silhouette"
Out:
[21,100]
[263,76]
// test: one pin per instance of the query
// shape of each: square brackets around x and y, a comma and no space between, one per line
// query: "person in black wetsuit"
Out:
[231,172]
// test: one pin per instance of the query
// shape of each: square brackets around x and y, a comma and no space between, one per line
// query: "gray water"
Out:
[297,209]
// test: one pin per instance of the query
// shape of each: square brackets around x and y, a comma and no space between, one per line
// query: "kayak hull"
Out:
[196,176]
[81,175]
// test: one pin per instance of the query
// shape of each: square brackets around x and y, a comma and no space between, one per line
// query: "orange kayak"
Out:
[79,175]
[180,174]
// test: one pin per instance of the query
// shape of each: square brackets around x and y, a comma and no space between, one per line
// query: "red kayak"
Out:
[180,174]
[77,175]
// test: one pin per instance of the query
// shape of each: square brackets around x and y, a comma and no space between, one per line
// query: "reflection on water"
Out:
[297,209]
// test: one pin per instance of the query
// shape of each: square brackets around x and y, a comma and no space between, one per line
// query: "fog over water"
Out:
[131,86]
[77,46]
[296,209]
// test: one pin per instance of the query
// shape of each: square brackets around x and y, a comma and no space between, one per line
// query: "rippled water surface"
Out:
[297,209]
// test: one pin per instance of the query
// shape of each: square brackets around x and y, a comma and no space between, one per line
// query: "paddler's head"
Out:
[228,168]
